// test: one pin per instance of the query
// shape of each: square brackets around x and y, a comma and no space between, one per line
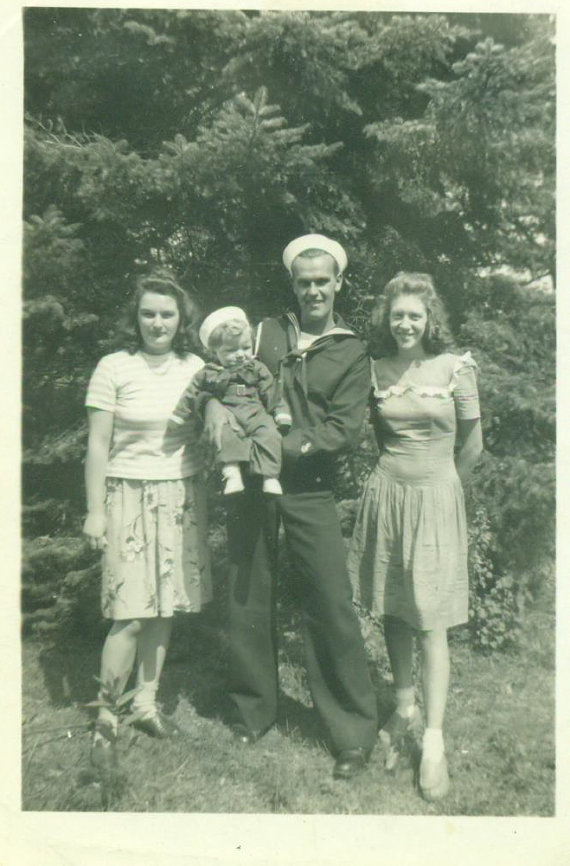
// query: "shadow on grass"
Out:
[196,668]
[69,669]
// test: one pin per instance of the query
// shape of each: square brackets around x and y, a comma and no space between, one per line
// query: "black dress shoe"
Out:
[244,735]
[350,762]
[158,726]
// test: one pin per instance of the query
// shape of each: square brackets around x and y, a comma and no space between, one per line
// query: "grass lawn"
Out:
[499,735]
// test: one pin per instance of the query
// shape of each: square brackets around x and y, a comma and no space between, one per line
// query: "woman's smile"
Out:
[408,322]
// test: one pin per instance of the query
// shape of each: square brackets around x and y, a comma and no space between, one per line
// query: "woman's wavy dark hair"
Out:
[162,281]
[437,337]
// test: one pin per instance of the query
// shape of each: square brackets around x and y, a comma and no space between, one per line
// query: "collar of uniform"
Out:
[340,327]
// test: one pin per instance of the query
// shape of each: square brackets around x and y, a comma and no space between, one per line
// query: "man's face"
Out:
[315,285]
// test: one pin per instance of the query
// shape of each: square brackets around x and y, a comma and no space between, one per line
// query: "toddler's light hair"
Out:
[232,328]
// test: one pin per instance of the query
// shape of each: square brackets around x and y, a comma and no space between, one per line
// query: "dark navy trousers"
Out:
[335,658]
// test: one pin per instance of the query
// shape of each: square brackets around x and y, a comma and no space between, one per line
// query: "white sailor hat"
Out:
[314,242]
[218,317]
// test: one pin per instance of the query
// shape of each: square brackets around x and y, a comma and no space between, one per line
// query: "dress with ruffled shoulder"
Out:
[408,554]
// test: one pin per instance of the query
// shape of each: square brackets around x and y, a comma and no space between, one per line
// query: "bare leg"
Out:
[434,779]
[152,646]
[435,675]
[117,660]
[400,646]
[405,723]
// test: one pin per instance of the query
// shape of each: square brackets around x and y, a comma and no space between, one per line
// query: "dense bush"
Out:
[495,600]
[207,139]
[60,587]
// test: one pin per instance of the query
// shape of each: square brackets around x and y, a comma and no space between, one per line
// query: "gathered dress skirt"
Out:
[408,554]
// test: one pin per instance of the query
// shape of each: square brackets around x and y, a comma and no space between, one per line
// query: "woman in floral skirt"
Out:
[146,508]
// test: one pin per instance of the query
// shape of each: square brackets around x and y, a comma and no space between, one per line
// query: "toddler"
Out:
[246,387]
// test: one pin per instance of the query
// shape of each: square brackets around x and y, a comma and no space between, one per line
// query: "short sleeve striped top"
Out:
[142,391]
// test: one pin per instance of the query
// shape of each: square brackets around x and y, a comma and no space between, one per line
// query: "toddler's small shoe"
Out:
[283,421]
[272,486]
[434,779]
[233,485]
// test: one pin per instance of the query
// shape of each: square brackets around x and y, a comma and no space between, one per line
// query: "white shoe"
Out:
[233,485]
[434,779]
[272,485]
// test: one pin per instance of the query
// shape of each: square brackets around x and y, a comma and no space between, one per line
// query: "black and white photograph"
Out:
[288,423]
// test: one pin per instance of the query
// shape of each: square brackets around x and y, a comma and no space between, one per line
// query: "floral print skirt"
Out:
[157,559]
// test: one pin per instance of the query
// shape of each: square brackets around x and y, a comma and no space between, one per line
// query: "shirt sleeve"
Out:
[191,401]
[102,388]
[270,392]
[464,388]
[265,385]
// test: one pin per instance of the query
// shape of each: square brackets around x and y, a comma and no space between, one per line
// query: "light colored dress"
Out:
[408,554]
[156,560]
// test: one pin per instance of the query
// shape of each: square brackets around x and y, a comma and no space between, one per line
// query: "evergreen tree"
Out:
[208,139]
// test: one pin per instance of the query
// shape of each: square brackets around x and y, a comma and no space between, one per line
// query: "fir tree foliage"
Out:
[207,139]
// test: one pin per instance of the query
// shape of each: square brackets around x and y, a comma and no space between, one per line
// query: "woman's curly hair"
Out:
[437,337]
[162,281]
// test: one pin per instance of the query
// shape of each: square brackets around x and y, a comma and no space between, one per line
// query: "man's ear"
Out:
[339,280]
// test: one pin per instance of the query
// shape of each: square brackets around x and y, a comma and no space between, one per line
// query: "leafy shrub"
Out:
[494,601]
[519,498]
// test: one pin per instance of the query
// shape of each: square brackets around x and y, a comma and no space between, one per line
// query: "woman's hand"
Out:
[94,531]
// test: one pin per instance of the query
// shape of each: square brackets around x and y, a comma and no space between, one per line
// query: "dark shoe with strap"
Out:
[245,735]
[350,762]
[157,725]
[400,737]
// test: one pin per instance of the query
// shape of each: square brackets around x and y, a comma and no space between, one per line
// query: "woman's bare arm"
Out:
[470,446]
[100,431]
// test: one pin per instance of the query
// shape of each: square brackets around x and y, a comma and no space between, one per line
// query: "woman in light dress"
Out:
[408,554]
[146,501]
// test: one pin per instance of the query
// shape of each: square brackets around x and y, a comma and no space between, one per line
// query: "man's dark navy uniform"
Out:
[325,377]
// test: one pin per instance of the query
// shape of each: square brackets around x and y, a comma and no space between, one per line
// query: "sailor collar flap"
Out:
[339,330]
